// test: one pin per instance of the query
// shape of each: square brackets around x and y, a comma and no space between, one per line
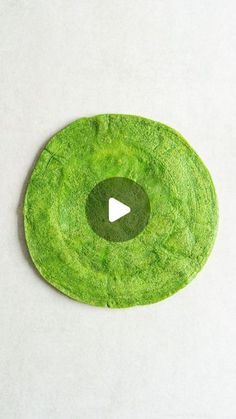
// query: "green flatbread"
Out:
[167,253]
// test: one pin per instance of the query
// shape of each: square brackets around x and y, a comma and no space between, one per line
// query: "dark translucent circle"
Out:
[129,193]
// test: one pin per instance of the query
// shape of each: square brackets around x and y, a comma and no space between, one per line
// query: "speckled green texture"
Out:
[164,257]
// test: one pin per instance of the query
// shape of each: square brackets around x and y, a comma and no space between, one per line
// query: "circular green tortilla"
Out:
[170,250]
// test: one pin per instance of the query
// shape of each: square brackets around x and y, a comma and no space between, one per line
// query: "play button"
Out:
[117,209]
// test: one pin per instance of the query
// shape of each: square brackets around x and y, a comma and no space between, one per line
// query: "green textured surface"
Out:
[159,261]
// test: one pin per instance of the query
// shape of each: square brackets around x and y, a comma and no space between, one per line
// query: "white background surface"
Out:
[172,61]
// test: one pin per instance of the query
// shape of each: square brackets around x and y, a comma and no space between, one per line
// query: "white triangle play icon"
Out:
[117,210]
